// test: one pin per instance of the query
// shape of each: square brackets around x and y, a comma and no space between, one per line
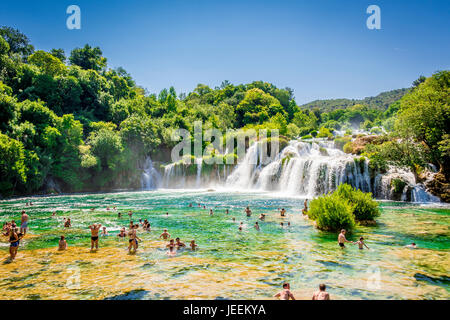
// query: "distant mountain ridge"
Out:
[381,101]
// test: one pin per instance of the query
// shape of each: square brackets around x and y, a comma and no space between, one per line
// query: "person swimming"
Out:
[262,216]
[104,232]
[286,293]
[226,211]
[256,225]
[412,245]
[62,244]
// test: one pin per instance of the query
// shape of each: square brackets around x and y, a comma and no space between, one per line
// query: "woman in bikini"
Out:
[133,240]
[13,243]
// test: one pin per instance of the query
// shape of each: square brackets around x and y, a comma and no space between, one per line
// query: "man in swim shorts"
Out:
[286,293]
[94,235]
[321,294]
[24,223]
[256,225]
[342,240]
[248,211]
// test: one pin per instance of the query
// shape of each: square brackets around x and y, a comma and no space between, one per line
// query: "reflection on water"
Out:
[229,264]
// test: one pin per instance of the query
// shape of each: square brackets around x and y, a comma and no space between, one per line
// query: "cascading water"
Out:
[199,162]
[150,178]
[303,168]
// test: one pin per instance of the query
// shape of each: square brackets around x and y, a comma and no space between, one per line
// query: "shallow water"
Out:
[229,264]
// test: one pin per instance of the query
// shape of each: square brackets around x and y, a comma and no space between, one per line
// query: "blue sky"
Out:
[321,49]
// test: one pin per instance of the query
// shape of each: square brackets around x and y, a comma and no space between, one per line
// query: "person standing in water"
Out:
[179,244]
[257,226]
[24,223]
[248,212]
[286,293]
[193,245]
[361,243]
[342,239]
[62,244]
[283,212]
[133,240]
[226,211]
[305,207]
[94,235]
[211,212]
[14,242]
[165,235]
[321,294]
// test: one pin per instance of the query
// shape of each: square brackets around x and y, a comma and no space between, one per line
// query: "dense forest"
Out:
[72,122]
[381,101]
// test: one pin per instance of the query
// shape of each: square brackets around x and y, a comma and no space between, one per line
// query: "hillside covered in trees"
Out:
[381,101]
[72,122]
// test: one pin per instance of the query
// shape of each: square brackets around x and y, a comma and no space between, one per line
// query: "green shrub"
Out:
[398,185]
[339,142]
[348,147]
[324,133]
[364,207]
[331,213]
[308,136]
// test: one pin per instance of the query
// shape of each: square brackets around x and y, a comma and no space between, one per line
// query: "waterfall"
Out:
[302,168]
[199,162]
[150,178]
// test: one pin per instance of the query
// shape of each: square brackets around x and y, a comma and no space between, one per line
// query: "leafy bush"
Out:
[348,147]
[364,207]
[398,185]
[308,136]
[339,142]
[332,213]
[324,133]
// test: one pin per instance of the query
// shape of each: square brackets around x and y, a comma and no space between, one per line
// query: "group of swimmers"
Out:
[15,234]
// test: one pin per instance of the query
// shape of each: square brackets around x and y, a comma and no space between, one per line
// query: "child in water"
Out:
[361,243]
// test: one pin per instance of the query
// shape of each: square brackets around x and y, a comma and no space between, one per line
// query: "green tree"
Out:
[47,62]
[12,165]
[17,41]
[424,117]
[88,58]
